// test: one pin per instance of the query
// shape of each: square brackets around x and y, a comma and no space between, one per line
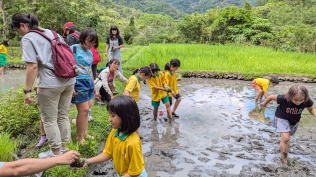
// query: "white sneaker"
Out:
[90,118]
[48,154]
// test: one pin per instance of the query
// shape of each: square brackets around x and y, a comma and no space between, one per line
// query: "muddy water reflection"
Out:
[12,79]
[220,132]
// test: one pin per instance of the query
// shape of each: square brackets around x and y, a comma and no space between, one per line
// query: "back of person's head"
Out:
[114,28]
[126,108]
[5,42]
[297,90]
[28,19]
[145,69]
[69,26]
[274,80]
[154,67]
[88,33]
[173,62]
[113,61]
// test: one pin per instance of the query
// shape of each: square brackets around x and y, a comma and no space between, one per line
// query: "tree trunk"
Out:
[4,18]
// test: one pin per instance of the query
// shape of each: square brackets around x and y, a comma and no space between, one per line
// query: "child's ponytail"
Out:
[135,71]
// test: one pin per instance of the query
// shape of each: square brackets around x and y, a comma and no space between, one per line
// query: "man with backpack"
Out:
[54,85]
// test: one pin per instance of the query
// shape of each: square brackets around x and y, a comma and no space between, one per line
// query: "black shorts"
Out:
[177,96]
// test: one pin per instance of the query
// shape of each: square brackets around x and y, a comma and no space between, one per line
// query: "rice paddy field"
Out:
[222,58]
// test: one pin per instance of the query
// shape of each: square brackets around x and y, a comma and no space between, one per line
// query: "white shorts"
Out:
[284,126]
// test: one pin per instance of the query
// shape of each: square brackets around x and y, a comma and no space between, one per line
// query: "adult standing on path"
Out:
[54,93]
[114,43]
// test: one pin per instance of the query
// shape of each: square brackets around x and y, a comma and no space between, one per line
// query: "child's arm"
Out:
[126,92]
[269,98]
[99,158]
[265,95]
[312,110]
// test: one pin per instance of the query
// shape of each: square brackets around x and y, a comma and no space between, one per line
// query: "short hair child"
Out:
[158,91]
[132,87]
[171,80]
[261,85]
[125,120]
[84,87]
[288,114]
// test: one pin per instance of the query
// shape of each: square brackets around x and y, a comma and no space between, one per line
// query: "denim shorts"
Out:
[84,91]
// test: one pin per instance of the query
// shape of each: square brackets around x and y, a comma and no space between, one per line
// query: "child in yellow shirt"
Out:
[261,85]
[171,81]
[3,56]
[123,144]
[132,87]
[158,92]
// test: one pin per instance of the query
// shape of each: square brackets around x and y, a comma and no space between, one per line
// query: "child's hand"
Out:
[262,104]
[73,93]
[78,164]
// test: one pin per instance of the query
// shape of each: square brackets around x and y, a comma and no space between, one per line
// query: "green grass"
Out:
[7,146]
[248,60]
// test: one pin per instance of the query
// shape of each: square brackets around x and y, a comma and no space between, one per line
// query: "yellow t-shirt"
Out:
[126,152]
[171,81]
[158,81]
[263,84]
[3,49]
[133,87]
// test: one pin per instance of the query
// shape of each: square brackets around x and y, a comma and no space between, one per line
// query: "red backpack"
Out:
[63,57]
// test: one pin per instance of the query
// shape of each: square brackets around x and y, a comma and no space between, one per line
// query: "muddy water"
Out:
[12,79]
[221,132]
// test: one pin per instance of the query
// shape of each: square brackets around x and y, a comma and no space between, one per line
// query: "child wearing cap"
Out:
[71,33]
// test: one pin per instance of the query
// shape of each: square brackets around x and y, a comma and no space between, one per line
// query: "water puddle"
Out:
[12,79]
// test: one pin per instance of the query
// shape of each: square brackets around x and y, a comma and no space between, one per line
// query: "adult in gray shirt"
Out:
[54,93]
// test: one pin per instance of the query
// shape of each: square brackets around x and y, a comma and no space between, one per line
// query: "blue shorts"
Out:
[84,91]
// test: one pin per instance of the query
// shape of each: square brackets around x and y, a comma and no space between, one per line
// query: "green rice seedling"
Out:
[247,60]
[7,147]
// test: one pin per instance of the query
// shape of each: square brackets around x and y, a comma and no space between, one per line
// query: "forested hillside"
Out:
[177,8]
[281,24]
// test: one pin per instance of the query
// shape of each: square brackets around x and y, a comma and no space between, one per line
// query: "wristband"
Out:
[27,91]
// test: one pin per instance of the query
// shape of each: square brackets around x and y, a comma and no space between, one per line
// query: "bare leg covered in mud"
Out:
[175,106]
[168,108]
[284,147]
[155,112]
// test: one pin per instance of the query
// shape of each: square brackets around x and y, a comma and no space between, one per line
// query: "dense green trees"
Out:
[282,24]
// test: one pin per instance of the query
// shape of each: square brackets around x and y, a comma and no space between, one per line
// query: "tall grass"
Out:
[228,58]
[7,147]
